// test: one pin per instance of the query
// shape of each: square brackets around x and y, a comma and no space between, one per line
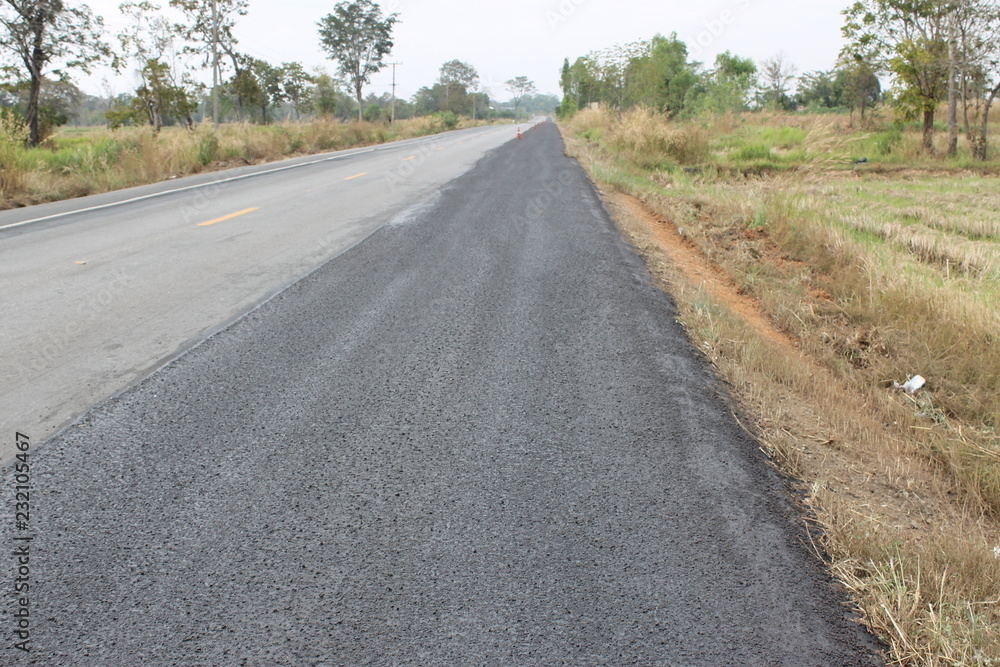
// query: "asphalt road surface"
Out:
[98,292]
[478,437]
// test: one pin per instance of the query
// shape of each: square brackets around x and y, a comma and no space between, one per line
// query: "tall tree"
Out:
[726,87]
[269,84]
[147,41]
[860,86]
[295,85]
[520,86]
[46,33]
[358,37]
[205,26]
[457,75]
[908,38]
[662,75]
[976,33]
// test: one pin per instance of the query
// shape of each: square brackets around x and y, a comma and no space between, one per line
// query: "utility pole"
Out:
[215,63]
[393,106]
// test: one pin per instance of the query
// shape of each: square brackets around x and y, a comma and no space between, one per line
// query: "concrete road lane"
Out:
[96,292]
[478,437]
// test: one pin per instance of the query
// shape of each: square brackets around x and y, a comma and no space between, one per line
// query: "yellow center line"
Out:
[412,157]
[440,148]
[351,178]
[228,217]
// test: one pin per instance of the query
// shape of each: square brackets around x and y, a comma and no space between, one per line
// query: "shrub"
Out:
[448,119]
[886,141]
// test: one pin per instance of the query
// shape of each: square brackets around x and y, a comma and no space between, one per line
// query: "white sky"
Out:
[531,37]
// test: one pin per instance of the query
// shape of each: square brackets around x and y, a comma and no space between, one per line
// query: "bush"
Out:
[567,109]
[448,119]
[885,142]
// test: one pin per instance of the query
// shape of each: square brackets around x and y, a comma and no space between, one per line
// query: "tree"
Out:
[295,85]
[727,87]
[614,72]
[520,86]
[820,90]
[147,41]
[976,57]
[457,75]
[908,38]
[162,96]
[243,87]
[672,76]
[328,99]
[777,73]
[859,85]
[269,81]
[58,101]
[358,37]
[579,83]
[44,33]
[206,26]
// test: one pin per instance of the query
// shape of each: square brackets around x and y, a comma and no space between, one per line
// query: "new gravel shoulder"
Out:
[477,438]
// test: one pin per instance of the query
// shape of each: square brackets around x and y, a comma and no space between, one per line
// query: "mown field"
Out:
[818,266]
[79,162]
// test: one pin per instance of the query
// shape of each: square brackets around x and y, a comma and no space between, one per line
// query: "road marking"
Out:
[224,181]
[228,217]
[440,148]
[351,178]
[407,159]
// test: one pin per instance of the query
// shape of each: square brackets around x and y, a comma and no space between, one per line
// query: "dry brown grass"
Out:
[104,160]
[649,140]
[904,491]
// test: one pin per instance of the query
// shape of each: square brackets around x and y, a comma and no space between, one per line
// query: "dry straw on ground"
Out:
[812,286]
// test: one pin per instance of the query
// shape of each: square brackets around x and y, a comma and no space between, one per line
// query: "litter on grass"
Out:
[913,385]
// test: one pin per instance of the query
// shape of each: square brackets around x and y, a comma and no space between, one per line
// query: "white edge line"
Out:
[154,195]
[184,189]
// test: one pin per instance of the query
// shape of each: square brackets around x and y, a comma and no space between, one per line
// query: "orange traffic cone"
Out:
[518,133]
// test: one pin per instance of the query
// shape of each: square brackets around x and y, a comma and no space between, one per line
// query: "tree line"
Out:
[931,52]
[45,40]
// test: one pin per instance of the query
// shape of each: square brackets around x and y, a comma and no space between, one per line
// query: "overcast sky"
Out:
[531,37]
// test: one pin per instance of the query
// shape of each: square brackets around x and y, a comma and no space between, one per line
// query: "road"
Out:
[478,437]
[98,292]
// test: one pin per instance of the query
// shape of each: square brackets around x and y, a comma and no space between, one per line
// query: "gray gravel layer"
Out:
[477,438]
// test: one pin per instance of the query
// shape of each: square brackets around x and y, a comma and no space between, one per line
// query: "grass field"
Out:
[814,284]
[78,162]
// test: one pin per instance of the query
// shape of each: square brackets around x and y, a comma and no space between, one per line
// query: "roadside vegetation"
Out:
[75,163]
[826,240]
[815,286]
